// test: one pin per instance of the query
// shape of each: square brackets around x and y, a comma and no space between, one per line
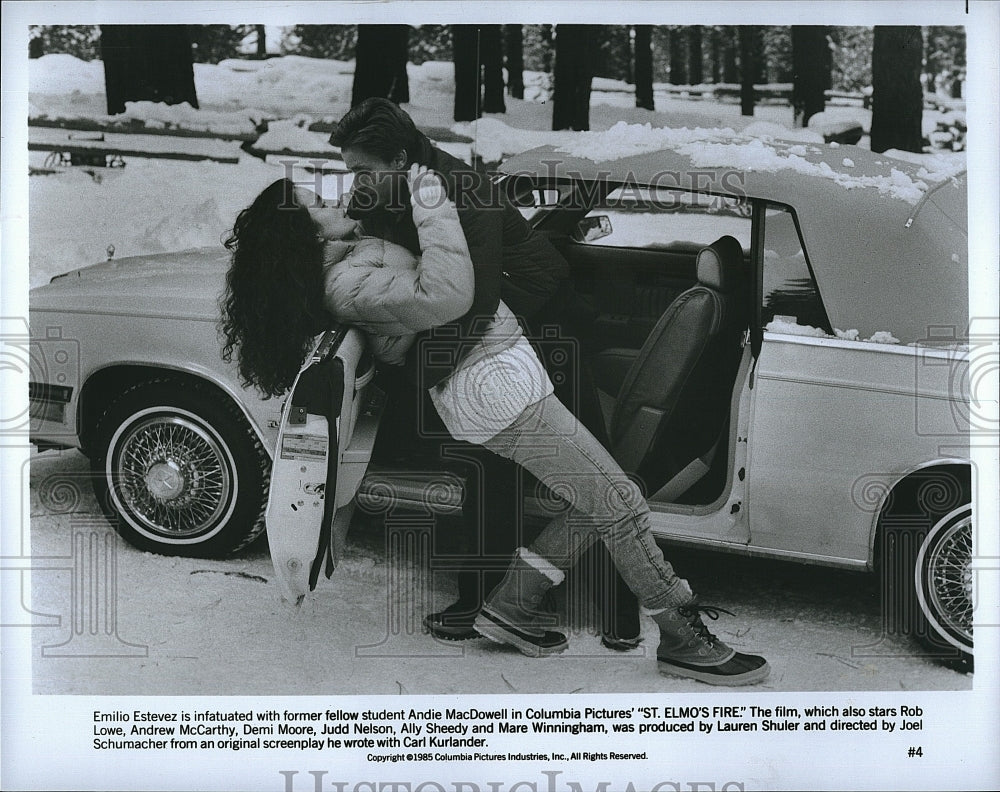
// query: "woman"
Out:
[498,396]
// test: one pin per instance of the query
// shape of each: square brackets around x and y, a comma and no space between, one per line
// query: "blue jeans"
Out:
[551,444]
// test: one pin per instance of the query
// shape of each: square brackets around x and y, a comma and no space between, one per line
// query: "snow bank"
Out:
[493,139]
[65,74]
[294,135]
[183,116]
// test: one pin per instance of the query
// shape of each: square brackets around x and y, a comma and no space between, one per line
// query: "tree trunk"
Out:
[399,91]
[715,55]
[491,58]
[377,68]
[261,41]
[730,69]
[897,96]
[514,55]
[677,55]
[644,66]
[468,86]
[811,63]
[147,63]
[573,74]
[695,74]
[748,68]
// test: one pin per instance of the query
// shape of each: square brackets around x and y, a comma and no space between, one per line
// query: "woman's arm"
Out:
[392,299]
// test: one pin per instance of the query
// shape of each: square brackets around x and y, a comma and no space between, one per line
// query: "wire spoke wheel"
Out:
[172,475]
[944,577]
[179,470]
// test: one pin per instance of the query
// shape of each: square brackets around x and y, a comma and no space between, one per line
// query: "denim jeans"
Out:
[550,443]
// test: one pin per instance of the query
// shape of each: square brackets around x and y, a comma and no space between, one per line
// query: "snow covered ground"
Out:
[160,205]
[201,622]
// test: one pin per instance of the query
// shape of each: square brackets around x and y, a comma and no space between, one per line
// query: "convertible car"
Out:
[779,340]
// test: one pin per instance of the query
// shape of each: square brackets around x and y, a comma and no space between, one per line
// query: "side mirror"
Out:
[593,228]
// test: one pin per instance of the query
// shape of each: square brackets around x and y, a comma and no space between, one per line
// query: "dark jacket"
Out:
[509,259]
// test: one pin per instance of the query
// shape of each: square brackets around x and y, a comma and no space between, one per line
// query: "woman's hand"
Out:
[426,188]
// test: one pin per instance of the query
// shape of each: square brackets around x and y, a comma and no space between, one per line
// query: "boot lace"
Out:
[692,611]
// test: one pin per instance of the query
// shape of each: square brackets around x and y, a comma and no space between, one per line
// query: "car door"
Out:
[821,405]
[327,432]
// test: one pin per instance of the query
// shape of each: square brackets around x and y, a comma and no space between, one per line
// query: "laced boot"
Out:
[687,648]
[512,613]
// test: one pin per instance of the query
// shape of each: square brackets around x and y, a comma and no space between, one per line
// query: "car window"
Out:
[639,217]
[790,292]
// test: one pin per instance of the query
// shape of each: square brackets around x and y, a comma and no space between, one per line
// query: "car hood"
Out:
[187,283]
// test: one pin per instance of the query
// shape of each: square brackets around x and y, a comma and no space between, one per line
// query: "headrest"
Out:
[720,264]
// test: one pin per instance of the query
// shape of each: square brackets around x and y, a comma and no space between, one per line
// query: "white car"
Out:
[823,416]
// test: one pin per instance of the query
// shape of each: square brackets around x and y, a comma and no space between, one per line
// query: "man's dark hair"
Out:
[379,127]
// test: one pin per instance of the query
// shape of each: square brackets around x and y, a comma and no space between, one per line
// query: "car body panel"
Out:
[851,408]
[814,421]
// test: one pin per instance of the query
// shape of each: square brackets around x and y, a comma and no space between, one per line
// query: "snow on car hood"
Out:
[186,283]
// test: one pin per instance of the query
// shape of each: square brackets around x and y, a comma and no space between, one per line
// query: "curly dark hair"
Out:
[272,307]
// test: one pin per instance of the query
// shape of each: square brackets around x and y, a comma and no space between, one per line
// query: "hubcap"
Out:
[171,476]
[165,480]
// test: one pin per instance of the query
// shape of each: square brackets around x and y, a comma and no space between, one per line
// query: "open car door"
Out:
[328,428]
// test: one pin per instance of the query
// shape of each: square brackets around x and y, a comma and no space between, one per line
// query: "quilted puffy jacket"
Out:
[385,290]
[510,260]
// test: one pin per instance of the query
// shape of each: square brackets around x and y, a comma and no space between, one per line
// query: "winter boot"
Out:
[454,623]
[512,612]
[688,649]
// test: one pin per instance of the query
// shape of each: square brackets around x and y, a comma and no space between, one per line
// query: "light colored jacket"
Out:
[385,290]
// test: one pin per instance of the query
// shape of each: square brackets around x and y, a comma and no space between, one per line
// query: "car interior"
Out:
[668,324]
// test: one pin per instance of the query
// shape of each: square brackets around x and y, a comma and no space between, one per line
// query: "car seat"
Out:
[673,403]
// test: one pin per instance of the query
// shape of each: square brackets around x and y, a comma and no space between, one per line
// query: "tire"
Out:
[178,470]
[943,582]
[927,534]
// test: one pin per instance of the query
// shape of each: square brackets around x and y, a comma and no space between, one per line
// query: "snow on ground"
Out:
[158,205]
[202,620]
[198,627]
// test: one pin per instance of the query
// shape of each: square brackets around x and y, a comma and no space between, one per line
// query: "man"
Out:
[378,141]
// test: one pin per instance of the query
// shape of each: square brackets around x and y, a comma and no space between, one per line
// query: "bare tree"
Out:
[491,61]
[695,73]
[748,68]
[677,55]
[644,66]
[147,63]
[811,63]
[897,96]
[573,75]
[730,67]
[468,87]
[380,63]
[261,31]
[513,44]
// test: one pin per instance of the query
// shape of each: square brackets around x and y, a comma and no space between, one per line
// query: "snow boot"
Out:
[688,649]
[454,623]
[512,613]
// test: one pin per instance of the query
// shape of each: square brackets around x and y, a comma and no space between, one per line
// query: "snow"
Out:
[787,325]
[726,148]
[202,620]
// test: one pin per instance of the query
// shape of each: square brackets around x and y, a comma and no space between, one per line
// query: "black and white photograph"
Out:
[454,396]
